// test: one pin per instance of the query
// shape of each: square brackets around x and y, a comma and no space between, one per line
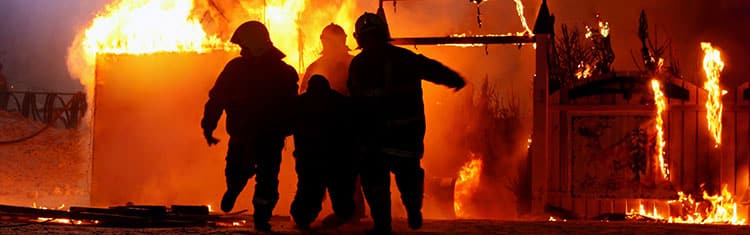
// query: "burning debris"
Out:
[712,209]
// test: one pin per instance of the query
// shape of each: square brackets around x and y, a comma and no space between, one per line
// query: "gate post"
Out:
[540,155]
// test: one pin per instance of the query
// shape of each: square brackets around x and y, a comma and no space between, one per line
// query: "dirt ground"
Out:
[282,225]
[48,170]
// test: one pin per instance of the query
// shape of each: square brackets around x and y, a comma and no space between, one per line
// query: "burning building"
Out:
[648,132]
[148,86]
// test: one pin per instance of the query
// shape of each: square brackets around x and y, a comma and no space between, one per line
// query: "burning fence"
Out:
[678,138]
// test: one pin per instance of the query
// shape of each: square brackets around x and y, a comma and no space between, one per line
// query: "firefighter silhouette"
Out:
[333,64]
[385,86]
[324,153]
[256,90]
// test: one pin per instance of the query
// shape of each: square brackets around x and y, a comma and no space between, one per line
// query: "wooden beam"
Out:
[540,133]
[470,40]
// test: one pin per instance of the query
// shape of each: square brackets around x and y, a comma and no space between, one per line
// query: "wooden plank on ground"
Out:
[32,212]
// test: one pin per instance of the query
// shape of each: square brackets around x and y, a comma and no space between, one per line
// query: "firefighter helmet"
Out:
[333,32]
[251,34]
[371,27]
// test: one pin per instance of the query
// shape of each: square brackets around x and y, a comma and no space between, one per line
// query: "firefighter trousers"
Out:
[376,183]
[261,159]
[313,178]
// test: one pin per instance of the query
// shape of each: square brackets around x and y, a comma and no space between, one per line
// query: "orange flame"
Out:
[715,209]
[466,184]
[661,105]
[158,26]
[128,27]
[603,29]
[138,27]
[55,220]
[519,10]
[712,66]
[584,71]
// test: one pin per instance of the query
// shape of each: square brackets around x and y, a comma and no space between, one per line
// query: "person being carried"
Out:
[333,64]
[324,153]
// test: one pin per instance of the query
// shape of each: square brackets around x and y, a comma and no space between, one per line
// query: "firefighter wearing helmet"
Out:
[334,60]
[256,90]
[385,83]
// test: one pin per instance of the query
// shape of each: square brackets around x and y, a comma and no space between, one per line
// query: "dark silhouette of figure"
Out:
[334,60]
[257,91]
[385,83]
[333,64]
[325,154]
[4,89]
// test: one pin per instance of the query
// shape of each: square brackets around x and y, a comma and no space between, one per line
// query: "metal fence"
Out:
[47,107]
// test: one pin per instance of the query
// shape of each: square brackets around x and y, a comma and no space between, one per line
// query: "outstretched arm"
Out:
[438,73]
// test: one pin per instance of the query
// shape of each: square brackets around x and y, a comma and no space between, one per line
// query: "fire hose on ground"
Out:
[51,122]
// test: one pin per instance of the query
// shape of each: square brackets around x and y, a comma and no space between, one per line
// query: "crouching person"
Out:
[324,154]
